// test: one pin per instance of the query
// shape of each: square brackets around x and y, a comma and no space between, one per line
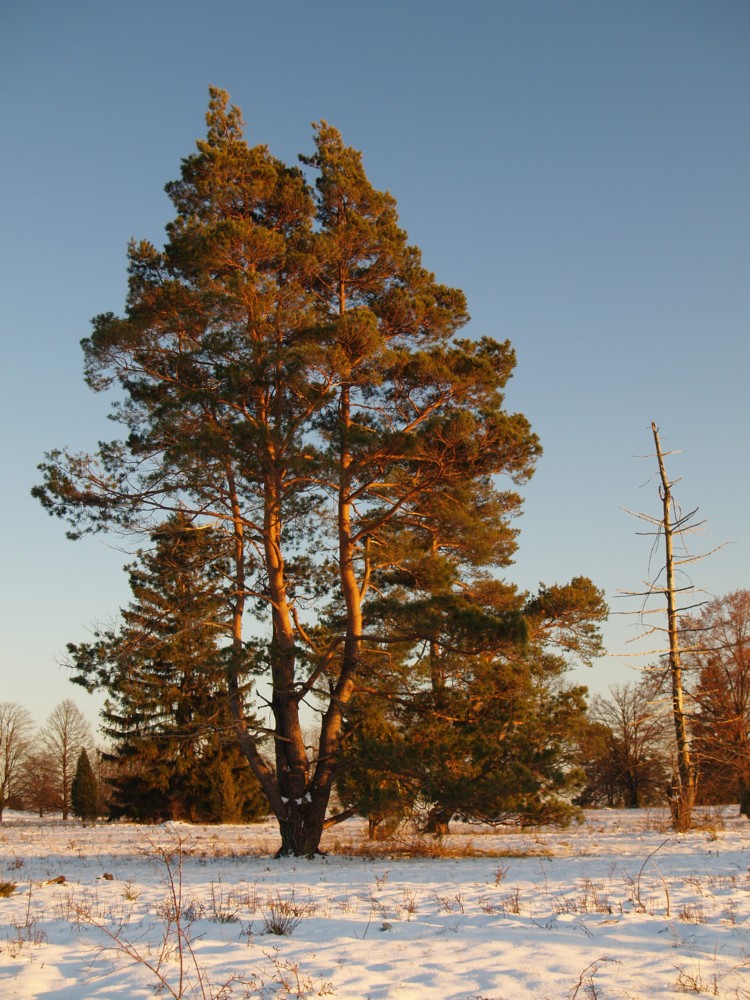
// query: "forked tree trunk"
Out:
[298,801]
[303,826]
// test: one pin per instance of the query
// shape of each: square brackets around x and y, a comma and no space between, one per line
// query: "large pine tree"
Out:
[288,366]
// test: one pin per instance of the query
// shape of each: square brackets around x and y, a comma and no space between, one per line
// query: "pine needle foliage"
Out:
[84,794]
[288,367]
[167,717]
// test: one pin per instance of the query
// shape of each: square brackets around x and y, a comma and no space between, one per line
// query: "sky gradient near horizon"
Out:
[580,170]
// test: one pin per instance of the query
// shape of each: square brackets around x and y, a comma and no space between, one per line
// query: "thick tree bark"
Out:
[437,822]
[303,826]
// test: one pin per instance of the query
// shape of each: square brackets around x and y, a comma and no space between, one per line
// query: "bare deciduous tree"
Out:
[637,741]
[39,783]
[65,734]
[16,727]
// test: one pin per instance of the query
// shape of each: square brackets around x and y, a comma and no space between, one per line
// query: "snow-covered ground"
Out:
[619,907]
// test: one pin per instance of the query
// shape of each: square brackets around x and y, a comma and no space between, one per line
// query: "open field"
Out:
[619,907]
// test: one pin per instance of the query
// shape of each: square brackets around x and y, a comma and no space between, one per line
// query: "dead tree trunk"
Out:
[682,799]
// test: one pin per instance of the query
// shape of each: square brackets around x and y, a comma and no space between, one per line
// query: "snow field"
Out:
[619,907]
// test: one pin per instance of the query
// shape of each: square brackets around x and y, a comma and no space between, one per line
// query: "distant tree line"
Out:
[161,775]
[38,767]
[628,747]
[510,743]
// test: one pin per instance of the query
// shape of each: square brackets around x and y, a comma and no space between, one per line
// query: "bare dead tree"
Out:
[669,528]
[683,797]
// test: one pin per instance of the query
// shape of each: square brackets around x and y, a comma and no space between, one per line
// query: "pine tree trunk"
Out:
[437,822]
[299,805]
[302,827]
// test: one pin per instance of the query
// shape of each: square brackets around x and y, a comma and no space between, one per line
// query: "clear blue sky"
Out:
[580,169]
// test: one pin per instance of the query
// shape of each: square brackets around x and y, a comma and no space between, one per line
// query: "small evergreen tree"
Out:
[167,714]
[496,746]
[490,736]
[84,792]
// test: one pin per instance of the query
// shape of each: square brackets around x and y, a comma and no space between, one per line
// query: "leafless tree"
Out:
[670,529]
[673,523]
[637,744]
[16,726]
[39,783]
[65,733]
